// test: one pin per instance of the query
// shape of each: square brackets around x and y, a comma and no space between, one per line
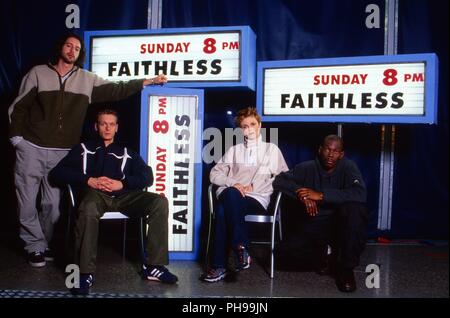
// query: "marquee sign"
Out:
[171,142]
[190,57]
[384,89]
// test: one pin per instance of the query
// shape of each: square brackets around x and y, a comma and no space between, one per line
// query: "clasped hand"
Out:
[105,184]
[243,189]
[309,198]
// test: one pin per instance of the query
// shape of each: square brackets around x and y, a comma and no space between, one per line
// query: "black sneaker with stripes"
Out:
[158,273]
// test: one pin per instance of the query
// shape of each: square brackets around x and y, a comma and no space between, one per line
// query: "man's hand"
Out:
[311,207]
[94,183]
[160,79]
[306,193]
[309,198]
[110,185]
[105,184]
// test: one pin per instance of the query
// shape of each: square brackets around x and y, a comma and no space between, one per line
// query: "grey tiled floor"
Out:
[405,271]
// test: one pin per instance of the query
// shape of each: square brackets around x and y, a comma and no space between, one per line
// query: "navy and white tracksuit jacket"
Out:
[93,159]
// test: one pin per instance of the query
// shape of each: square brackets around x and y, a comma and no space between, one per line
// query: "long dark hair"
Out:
[59,45]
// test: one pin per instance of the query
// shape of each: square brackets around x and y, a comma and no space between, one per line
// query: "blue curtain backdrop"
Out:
[29,30]
[322,29]
[285,30]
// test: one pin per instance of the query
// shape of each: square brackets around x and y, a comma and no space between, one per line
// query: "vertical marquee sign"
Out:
[378,89]
[190,57]
[171,142]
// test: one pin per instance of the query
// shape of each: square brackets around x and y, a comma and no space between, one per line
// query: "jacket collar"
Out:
[323,172]
[253,142]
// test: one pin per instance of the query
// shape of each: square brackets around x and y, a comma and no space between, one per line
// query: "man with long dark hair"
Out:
[46,121]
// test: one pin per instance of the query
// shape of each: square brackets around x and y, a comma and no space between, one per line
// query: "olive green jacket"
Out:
[50,113]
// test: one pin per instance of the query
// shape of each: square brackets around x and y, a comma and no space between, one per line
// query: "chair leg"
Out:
[69,223]
[208,242]
[142,231]
[272,248]
[279,229]
[124,238]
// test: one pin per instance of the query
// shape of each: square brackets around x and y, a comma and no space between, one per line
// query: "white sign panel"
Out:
[378,89]
[369,89]
[209,56]
[172,133]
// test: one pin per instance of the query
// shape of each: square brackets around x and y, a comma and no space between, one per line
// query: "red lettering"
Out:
[161,158]
[339,79]
[317,80]
[160,185]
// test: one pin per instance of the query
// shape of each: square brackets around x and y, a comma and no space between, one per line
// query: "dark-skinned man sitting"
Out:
[331,194]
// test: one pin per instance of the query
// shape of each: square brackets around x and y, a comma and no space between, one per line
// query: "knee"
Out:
[230,194]
[353,212]
[160,206]
[88,209]
[51,206]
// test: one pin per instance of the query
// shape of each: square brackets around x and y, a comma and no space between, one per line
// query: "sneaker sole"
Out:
[155,279]
[238,269]
[213,280]
[40,264]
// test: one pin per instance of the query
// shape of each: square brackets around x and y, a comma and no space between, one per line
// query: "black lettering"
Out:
[183,133]
[397,98]
[177,192]
[184,164]
[181,148]
[365,100]
[180,216]
[136,68]
[182,120]
[188,67]
[284,100]
[298,101]
[124,69]
[146,65]
[173,68]
[111,68]
[321,97]
[339,101]
[181,177]
[161,67]
[381,99]
[178,229]
[310,100]
[202,69]
[216,68]
[350,104]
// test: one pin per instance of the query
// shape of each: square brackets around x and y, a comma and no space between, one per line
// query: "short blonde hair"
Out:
[246,112]
[107,112]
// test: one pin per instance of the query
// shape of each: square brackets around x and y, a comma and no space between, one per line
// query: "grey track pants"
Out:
[31,174]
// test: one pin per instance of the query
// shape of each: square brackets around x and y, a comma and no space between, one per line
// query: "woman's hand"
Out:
[241,188]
